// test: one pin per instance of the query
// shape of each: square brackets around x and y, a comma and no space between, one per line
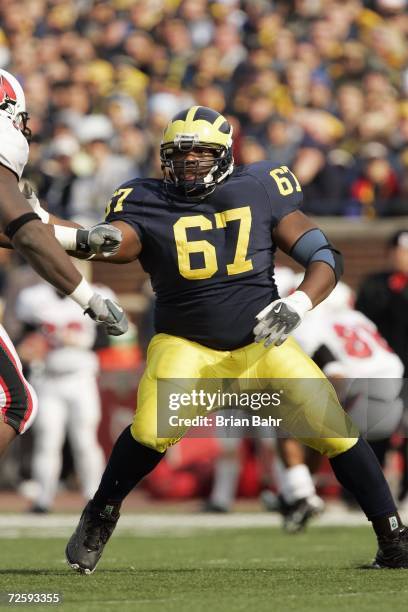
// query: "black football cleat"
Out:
[213,508]
[86,544]
[296,515]
[392,551]
[37,509]
[299,514]
[273,502]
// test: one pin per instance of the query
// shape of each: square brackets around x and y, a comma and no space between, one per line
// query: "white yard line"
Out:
[147,525]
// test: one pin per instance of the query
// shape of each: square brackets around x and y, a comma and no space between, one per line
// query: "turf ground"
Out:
[211,570]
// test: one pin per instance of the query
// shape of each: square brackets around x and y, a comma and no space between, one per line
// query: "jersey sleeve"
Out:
[282,187]
[125,205]
[13,147]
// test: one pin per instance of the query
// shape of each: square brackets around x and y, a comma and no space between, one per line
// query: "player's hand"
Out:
[108,313]
[102,238]
[278,320]
[31,197]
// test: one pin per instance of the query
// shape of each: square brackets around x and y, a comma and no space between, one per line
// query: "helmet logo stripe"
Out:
[7,93]
[191,113]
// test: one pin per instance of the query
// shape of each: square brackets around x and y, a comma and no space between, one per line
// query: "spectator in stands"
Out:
[309,63]
[57,175]
[281,141]
[376,191]
[101,171]
[321,180]
[383,297]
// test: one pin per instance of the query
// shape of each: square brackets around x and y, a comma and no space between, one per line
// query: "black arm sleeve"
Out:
[323,356]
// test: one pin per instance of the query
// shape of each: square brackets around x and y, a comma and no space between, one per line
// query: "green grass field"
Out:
[254,570]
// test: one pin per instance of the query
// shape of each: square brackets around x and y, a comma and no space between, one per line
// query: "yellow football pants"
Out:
[311,406]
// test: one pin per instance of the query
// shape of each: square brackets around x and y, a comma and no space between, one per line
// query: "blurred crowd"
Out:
[320,85]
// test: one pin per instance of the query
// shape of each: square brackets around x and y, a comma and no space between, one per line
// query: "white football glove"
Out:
[31,197]
[278,320]
[108,313]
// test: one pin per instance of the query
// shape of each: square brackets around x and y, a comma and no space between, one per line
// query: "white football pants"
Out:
[69,404]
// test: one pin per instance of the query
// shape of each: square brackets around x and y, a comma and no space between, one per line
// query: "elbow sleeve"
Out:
[313,246]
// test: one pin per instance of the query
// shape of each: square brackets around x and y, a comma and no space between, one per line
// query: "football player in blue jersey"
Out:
[207,233]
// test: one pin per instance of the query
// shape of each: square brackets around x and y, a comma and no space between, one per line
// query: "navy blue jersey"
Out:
[211,262]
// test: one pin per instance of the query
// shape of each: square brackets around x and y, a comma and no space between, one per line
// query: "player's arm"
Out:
[5,243]
[118,235]
[36,243]
[328,362]
[116,240]
[297,236]
[32,238]
[76,240]
[130,246]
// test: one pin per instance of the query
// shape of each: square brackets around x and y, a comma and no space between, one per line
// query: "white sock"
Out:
[294,483]
[225,482]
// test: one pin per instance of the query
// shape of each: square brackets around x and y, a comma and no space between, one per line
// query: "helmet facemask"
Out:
[21,122]
[194,179]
